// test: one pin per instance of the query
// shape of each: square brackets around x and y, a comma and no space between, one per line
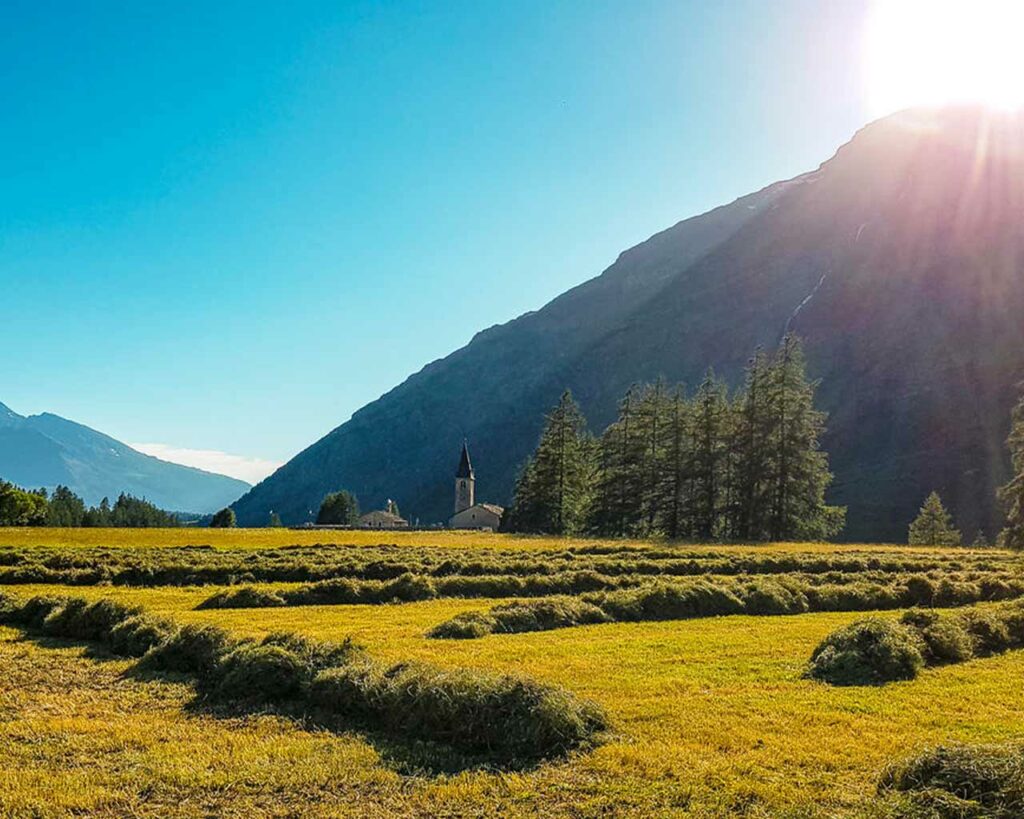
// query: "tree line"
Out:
[35,507]
[708,466]
[934,524]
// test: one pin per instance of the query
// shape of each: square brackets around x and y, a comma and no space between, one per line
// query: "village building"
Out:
[468,513]
[381,519]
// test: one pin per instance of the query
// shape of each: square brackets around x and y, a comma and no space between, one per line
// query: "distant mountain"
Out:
[900,262]
[46,450]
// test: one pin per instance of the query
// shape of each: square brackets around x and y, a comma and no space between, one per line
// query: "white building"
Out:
[468,513]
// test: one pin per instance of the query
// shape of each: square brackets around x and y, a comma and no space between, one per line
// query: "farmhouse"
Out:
[381,519]
[468,513]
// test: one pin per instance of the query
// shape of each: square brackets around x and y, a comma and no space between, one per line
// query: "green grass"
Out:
[272,538]
[709,717]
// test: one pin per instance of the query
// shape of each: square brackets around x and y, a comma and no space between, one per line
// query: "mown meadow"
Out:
[702,713]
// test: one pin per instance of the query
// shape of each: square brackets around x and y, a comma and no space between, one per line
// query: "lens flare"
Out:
[943,52]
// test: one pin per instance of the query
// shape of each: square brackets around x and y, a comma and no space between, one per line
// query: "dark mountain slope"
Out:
[900,262]
[46,450]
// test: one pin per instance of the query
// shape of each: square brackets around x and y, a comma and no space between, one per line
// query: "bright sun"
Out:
[938,52]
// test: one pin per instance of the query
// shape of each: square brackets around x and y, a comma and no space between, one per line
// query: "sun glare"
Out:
[939,52]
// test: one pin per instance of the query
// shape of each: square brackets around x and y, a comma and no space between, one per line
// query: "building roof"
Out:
[465,469]
[493,508]
[381,514]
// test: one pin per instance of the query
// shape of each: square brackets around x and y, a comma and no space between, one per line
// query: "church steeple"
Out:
[465,481]
[465,469]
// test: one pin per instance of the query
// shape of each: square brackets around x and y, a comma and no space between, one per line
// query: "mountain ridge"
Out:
[46,450]
[908,225]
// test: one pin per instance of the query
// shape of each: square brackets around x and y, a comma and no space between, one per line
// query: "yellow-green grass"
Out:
[445,539]
[711,718]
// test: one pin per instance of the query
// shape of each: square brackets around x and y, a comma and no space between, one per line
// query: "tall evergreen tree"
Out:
[799,469]
[675,481]
[339,509]
[616,506]
[553,491]
[933,525]
[224,519]
[653,418]
[708,456]
[1012,495]
[65,508]
[751,452]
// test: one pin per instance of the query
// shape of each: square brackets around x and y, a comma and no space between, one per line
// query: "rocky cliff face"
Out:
[900,262]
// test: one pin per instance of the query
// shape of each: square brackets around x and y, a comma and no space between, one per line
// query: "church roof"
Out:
[465,469]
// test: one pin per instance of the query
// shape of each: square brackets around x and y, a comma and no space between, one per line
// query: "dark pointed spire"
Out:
[465,469]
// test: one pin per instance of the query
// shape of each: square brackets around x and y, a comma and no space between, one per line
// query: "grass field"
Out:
[443,539]
[709,717]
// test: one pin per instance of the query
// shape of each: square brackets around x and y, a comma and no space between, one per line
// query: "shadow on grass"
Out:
[406,756]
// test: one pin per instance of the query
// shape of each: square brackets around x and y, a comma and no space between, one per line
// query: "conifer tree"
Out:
[676,473]
[339,508]
[615,509]
[1012,495]
[653,428]
[65,508]
[751,452]
[553,491]
[224,519]
[708,456]
[933,525]
[799,469]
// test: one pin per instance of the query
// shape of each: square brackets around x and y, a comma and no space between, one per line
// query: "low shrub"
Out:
[868,652]
[962,781]
[191,649]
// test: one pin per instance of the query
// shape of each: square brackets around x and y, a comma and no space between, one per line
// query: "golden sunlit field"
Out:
[442,539]
[709,717]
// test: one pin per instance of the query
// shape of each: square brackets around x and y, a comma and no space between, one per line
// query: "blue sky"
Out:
[227,226]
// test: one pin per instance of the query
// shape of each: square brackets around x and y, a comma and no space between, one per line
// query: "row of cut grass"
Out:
[758,596]
[876,650]
[201,565]
[711,716]
[507,719]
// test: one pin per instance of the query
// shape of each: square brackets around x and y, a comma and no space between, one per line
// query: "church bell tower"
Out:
[465,481]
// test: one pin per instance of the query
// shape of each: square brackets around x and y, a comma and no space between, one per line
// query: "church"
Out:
[468,513]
